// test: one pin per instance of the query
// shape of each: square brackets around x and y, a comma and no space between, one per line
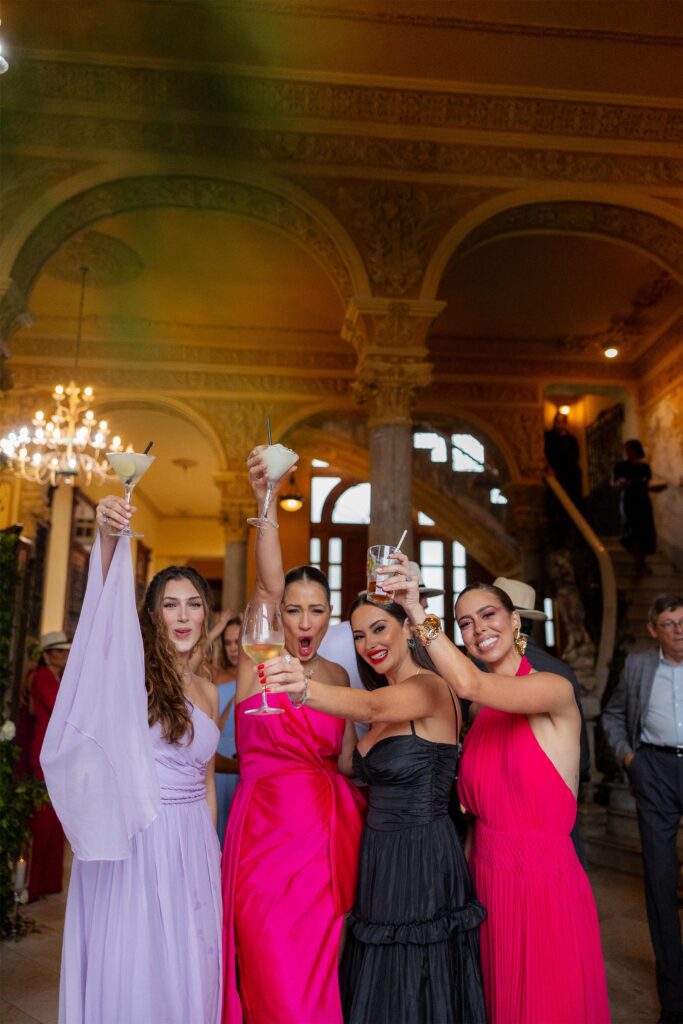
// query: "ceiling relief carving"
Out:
[198,193]
[661,239]
[663,380]
[631,329]
[668,344]
[495,392]
[395,224]
[37,79]
[309,149]
[107,259]
[25,178]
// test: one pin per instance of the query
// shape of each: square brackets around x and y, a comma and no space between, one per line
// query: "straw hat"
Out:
[424,591]
[55,642]
[522,596]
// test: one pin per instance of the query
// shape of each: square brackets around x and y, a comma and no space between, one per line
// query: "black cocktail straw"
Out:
[148,447]
[270,436]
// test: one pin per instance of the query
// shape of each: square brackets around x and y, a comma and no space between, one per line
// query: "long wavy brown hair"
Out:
[166,701]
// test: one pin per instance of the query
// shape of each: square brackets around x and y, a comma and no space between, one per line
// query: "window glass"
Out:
[353,506]
[334,577]
[334,551]
[431,552]
[314,551]
[432,442]
[424,520]
[468,454]
[550,622]
[319,464]
[320,488]
[496,496]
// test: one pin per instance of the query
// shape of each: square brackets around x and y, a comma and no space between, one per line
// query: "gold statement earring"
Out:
[520,642]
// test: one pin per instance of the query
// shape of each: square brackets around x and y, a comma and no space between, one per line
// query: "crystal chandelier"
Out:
[67,444]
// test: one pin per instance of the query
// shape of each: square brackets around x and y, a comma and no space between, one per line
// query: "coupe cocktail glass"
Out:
[279,460]
[129,468]
[262,638]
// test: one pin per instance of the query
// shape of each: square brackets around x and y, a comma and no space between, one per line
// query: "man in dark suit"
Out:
[523,598]
[643,723]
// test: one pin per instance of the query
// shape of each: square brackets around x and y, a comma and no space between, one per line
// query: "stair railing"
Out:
[608,584]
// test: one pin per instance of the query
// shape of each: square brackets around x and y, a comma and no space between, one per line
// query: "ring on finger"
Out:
[287,659]
[105,518]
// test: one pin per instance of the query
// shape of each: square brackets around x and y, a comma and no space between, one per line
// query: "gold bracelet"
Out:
[427,630]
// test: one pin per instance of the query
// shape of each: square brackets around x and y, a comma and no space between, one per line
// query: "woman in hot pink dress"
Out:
[540,944]
[290,854]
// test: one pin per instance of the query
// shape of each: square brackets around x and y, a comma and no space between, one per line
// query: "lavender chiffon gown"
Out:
[142,934]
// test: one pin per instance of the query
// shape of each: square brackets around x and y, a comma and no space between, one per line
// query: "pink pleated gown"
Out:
[540,943]
[289,867]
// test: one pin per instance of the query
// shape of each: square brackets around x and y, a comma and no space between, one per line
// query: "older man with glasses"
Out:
[643,723]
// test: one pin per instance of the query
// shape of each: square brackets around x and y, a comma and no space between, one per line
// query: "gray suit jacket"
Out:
[622,719]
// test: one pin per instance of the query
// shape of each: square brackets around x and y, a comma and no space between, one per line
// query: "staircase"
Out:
[640,593]
[611,833]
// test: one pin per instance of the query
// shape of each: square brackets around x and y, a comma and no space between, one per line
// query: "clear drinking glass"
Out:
[262,638]
[129,468]
[378,554]
[279,461]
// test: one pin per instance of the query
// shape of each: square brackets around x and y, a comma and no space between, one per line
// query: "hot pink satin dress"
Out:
[540,943]
[289,867]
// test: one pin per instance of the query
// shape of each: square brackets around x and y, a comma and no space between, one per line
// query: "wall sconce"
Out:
[291,501]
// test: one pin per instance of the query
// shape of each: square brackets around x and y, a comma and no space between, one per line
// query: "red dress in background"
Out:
[540,943]
[47,856]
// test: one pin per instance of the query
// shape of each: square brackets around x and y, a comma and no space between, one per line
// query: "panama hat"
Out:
[55,642]
[522,596]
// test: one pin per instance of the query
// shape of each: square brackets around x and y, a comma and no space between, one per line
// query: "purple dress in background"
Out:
[142,933]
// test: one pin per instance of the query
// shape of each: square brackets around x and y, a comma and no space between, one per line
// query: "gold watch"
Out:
[428,629]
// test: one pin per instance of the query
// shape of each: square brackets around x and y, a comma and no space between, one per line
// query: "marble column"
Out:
[237,502]
[57,560]
[389,337]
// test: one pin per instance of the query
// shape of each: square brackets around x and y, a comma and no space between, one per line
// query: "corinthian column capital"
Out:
[237,502]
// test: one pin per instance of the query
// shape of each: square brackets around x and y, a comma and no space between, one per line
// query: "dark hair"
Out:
[309,574]
[234,621]
[166,701]
[637,447]
[664,603]
[370,679]
[502,596]
[220,657]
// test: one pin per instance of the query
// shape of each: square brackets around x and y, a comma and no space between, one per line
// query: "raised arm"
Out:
[541,692]
[112,514]
[270,575]
[411,699]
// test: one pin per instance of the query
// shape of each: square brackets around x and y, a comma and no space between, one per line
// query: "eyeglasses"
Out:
[670,625]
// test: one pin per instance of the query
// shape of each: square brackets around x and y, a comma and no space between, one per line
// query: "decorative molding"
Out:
[495,392]
[112,350]
[553,368]
[669,343]
[231,92]
[108,259]
[198,193]
[395,224]
[317,149]
[524,515]
[14,315]
[654,387]
[25,177]
[661,239]
[523,430]
[393,16]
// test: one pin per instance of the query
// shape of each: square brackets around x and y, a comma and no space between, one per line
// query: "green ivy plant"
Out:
[20,795]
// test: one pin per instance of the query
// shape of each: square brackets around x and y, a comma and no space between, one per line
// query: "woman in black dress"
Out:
[412,952]
[633,475]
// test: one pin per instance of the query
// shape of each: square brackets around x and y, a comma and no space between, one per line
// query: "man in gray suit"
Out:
[643,723]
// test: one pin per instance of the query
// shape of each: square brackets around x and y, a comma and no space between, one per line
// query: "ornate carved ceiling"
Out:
[234,174]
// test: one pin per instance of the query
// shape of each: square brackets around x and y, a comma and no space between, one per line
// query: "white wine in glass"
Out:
[279,460]
[263,638]
[129,468]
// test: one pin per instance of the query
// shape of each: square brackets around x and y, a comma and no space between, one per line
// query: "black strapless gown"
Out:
[412,952]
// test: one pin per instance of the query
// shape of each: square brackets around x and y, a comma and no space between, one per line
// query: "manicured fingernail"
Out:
[261,667]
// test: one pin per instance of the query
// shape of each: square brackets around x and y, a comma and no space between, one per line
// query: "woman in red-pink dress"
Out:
[540,944]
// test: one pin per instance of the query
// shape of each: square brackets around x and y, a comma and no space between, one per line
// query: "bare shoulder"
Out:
[209,693]
[332,673]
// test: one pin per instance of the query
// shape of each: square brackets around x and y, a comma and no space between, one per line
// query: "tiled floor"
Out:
[29,969]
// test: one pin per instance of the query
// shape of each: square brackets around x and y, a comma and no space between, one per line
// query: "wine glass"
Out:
[129,468]
[279,460]
[262,638]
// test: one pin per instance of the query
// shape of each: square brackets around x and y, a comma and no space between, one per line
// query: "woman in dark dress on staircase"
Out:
[633,476]
[412,952]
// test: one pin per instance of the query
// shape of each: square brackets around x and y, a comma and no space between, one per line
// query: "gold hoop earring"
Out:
[520,641]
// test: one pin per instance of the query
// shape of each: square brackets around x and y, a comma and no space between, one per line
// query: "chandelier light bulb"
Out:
[59,390]
[103,424]
[87,392]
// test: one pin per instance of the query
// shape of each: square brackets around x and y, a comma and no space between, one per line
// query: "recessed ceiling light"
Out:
[611,353]
[565,410]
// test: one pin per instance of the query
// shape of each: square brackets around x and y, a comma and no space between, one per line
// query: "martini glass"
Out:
[262,638]
[279,460]
[129,468]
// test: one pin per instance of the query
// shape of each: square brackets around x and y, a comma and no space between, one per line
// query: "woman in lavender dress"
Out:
[128,760]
